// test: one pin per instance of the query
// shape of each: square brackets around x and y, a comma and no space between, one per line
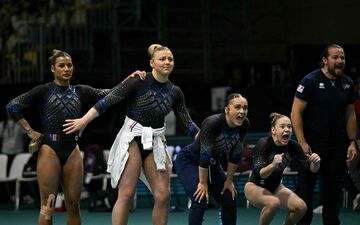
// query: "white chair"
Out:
[16,168]
[106,153]
[3,166]
[15,175]
[3,171]
[19,162]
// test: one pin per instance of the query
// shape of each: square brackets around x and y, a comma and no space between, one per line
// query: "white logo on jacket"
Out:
[300,88]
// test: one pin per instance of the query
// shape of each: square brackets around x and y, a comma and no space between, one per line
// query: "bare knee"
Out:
[272,204]
[162,197]
[126,196]
[73,207]
[300,207]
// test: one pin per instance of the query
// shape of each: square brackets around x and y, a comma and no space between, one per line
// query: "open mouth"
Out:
[285,137]
[339,67]
[240,117]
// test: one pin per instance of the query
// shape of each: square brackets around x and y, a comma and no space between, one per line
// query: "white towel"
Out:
[119,155]
[147,138]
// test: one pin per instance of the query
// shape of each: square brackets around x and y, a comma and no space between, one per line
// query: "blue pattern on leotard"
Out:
[149,101]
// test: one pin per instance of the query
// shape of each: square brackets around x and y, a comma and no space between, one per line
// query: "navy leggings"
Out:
[187,168]
[332,172]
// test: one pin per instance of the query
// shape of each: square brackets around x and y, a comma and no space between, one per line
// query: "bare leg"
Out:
[127,186]
[73,172]
[48,173]
[295,205]
[264,199]
[160,185]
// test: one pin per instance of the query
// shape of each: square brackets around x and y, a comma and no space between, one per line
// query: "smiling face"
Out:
[162,63]
[334,63]
[281,131]
[62,70]
[236,111]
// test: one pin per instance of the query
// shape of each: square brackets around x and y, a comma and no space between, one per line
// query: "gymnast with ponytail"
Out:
[139,150]
[271,156]
[59,159]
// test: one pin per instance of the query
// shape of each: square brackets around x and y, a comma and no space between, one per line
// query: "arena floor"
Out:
[142,216]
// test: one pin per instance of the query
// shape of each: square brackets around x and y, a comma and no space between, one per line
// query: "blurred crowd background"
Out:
[258,48]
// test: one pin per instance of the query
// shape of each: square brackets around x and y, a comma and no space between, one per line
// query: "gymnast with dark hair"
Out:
[139,149]
[198,164]
[271,156]
[59,159]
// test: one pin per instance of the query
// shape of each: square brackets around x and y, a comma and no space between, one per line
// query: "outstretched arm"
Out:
[141,74]
[73,125]
[116,95]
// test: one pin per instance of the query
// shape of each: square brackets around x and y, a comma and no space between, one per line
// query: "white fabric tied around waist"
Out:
[150,138]
[147,138]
